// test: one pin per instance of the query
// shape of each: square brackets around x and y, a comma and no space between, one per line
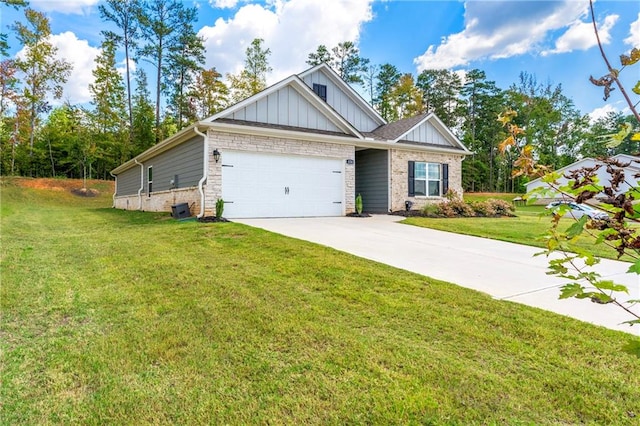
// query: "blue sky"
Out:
[551,39]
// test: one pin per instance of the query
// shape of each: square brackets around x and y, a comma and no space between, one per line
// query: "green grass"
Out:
[134,318]
[529,227]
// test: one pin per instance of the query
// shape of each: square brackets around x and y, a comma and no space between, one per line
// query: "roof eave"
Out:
[158,148]
[353,95]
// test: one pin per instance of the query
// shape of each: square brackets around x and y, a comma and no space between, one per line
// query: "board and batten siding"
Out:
[128,182]
[427,133]
[285,107]
[372,179]
[342,103]
[184,161]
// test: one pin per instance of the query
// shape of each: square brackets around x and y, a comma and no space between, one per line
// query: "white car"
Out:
[579,210]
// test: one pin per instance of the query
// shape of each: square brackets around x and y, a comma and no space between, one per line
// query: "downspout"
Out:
[135,160]
[205,169]
[115,191]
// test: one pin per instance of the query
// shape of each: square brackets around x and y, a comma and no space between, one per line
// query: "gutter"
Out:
[115,191]
[135,160]
[205,169]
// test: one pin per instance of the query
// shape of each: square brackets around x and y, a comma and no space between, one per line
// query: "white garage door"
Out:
[271,185]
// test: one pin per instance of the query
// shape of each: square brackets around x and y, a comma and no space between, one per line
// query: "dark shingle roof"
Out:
[393,131]
[280,127]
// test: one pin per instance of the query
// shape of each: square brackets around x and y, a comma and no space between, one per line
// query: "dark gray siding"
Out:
[372,180]
[185,161]
[129,182]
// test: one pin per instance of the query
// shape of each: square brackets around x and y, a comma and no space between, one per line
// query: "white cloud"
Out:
[634,33]
[77,7]
[580,36]
[223,4]
[500,29]
[82,57]
[290,28]
[601,112]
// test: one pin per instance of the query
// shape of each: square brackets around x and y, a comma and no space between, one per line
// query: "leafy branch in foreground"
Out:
[617,197]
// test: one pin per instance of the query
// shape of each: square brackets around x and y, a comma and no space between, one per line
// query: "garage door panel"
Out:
[271,185]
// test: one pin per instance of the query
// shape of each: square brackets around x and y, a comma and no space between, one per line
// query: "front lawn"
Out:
[135,318]
[529,227]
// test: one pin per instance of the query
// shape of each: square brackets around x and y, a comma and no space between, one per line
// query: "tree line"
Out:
[126,114]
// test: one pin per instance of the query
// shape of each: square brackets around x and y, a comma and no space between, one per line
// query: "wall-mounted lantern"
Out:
[216,155]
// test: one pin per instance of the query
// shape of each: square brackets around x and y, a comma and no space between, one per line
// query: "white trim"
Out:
[575,164]
[306,92]
[317,137]
[440,127]
[205,169]
[347,89]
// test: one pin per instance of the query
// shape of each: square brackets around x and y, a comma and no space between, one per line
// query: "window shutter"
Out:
[412,191]
[445,178]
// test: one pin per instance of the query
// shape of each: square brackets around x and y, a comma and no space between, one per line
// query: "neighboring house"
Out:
[604,178]
[305,146]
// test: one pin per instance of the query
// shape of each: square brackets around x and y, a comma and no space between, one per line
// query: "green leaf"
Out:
[571,290]
[551,177]
[636,88]
[600,298]
[635,268]
[610,285]
[577,227]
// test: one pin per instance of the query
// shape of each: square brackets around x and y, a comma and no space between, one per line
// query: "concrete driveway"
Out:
[505,271]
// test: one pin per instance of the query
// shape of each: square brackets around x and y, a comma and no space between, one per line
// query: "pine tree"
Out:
[124,14]
[387,78]
[159,24]
[183,63]
[109,115]
[253,78]
[143,130]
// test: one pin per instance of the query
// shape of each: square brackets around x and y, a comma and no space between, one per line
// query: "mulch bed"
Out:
[209,219]
[358,215]
[85,192]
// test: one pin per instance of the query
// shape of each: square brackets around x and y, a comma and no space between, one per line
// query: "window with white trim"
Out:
[427,179]
[321,90]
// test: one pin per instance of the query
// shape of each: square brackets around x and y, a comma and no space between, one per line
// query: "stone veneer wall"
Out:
[161,201]
[241,142]
[399,176]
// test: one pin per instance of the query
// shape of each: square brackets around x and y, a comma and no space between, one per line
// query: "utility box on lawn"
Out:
[180,211]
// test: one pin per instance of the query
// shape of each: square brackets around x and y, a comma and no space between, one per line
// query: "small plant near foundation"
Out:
[219,208]
[359,204]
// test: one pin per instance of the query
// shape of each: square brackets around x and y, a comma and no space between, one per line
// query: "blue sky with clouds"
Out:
[552,39]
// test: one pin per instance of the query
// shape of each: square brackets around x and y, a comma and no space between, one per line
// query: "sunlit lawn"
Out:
[529,227]
[112,317]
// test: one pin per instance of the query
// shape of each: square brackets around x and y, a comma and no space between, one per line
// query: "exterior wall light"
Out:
[216,155]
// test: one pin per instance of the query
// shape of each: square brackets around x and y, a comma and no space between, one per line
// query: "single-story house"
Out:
[305,146]
[603,177]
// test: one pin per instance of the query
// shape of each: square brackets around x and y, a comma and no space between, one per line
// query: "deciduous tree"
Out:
[42,73]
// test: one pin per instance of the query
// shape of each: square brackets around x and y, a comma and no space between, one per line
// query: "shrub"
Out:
[501,207]
[431,210]
[455,208]
[452,195]
[359,204]
[493,207]
[219,207]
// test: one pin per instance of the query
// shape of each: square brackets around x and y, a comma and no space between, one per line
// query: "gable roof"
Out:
[347,89]
[303,90]
[634,160]
[400,129]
